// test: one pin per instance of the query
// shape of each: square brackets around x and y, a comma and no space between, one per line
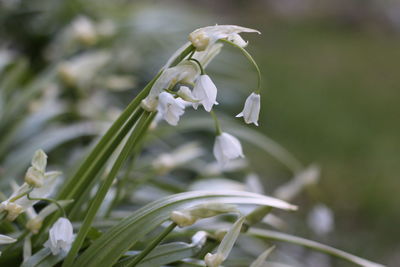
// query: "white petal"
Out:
[170,108]
[207,36]
[226,148]
[60,236]
[39,160]
[251,109]
[206,92]
[6,239]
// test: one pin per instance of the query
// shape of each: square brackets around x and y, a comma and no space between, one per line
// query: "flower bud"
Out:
[213,260]
[34,225]
[12,209]
[182,219]
[199,39]
[39,160]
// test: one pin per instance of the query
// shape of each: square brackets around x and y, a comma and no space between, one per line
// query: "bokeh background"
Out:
[331,81]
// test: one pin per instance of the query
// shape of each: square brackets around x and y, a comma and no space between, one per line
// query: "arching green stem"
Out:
[252,61]
[199,64]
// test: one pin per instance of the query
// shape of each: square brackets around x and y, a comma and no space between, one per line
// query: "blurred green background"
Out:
[332,91]
[331,71]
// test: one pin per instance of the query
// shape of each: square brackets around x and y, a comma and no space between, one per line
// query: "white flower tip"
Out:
[239,115]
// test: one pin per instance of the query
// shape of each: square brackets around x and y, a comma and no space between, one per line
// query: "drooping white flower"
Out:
[180,156]
[204,37]
[226,148]
[60,237]
[206,92]
[170,108]
[251,110]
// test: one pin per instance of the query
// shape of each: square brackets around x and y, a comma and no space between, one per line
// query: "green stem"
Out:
[216,122]
[182,56]
[151,246]
[22,194]
[83,194]
[198,64]
[137,133]
[252,61]
[256,216]
[55,202]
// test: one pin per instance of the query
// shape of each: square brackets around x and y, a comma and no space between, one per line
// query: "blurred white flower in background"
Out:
[321,219]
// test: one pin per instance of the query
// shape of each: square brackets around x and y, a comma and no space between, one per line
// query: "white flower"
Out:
[170,108]
[206,92]
[180,156]
[60,237]
[185,72]
[226,148]
[204,37]
[251,110]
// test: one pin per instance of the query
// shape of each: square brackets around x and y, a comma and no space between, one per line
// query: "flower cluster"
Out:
[38,185]
[171,100]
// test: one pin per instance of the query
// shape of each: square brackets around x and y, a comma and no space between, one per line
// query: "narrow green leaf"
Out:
[267,234]
[106,250]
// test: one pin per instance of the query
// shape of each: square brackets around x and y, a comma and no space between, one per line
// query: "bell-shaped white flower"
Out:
[206,92]
[170,108]
[60,237]
[251,110]
[204,37]
[226,148]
